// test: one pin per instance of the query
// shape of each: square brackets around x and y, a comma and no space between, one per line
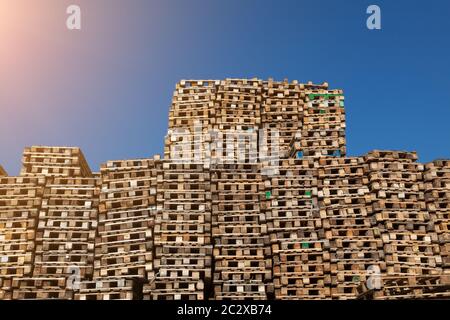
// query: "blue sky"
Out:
[108,87]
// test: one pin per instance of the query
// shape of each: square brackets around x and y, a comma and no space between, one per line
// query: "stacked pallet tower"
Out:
[124,243]
[191,120]
[20,201]
[210,119]
[66,223]
[323,130]
[242,262]
[238,119]
[66,230]
[182,235]
[301,261]
[281,117]
[345,207]
[437,197]
[412,255]
[54,161]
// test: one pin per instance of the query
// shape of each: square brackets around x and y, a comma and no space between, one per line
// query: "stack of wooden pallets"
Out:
[323,130]
[182,235]
[66,232]
[345,206]
[126,218]
[54,161]
[238,104]
[124,243]
[408,287]
[242,264]
[437,197]
[191,119]
[300,253]
[66,224]
[399,211]
[217,121]
[20,201]
[238,119]
[281,117]
[66,228]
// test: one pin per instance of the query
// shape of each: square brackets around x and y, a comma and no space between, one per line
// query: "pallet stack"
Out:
[54,161]
[242,263]
[238,119]
[191,118]
[20,201]
[182,235]
[124,243]
[126,218]
[66,228]
[217,121]
[399,211]
[300,254]
[64,253]
[345,208]
[66,224]
[281,117]
[408,287]
[323,130]
[437,197]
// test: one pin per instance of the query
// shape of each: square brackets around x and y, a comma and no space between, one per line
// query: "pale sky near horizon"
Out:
[107,88]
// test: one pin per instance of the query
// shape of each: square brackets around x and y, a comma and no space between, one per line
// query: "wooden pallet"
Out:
[108,289]
[40,288]
[54,161]
[408,287]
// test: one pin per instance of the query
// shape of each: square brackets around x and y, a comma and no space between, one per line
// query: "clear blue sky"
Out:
[107,88]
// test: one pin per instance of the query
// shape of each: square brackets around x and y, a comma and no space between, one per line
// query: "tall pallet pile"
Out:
[345,207]
[124,242]
[437,197]
[399,211]
[20,201]
[191,119]
[65,226]
[66,230]
[182,235]
[242,262]
[238,119]
[210,119]
[323,130]
[301,261]
[54,161]
[281,117]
